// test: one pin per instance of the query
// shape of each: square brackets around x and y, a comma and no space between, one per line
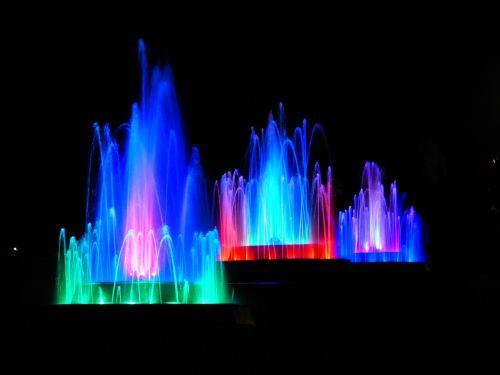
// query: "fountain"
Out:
[277,212]
[378,229]
[147,237]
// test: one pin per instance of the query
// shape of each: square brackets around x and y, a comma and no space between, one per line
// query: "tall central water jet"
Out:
[146,239]
[278,212]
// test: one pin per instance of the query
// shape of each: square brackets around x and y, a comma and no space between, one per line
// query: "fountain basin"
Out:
[146,292]
[277,251]
[285,270]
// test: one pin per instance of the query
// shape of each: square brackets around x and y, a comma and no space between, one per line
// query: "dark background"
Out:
[416,92]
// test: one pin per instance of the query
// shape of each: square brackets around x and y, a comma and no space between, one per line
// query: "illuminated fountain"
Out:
[277,212]
[378,229]
[147,239]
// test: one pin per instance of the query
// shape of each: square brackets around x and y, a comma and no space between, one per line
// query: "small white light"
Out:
[15,248]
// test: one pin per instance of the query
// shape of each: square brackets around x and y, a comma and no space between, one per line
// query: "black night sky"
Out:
[417,94]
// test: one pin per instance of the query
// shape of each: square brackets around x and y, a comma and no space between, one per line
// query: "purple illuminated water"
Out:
[377,228]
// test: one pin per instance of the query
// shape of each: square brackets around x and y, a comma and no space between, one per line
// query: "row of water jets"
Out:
[152,238]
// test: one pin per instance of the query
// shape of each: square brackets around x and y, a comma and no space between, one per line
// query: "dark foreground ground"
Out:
[307,316]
